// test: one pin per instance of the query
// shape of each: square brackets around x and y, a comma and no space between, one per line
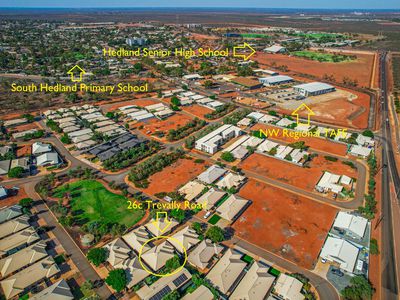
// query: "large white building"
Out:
[313,88]
[211,142]
[276,80]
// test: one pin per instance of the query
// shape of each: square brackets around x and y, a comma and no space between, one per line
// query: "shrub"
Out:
[97,256]
[117,279]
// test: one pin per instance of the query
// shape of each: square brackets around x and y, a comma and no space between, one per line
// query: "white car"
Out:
[207,214]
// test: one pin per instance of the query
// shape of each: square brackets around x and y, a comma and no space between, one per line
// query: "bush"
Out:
[215,234]
[227,156]
[16,172]
[330,158]
[373,247]
[117,279]
[97,256]
[368,133]
[26,202]
[360,288]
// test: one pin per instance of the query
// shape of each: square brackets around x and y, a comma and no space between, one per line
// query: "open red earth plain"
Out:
[174,176]
[291,226]
[304,178]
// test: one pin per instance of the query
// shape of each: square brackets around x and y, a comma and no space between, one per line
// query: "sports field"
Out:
[91,201]
[322,56]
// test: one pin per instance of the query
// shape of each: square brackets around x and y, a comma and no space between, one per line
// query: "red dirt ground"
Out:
[138,102]
[174,176]
[360,69]
[341,111]
[172,122]
[314,143]
[304,178]
[24,150]
[197,110]
[293,227]
[11,200]
[24,127]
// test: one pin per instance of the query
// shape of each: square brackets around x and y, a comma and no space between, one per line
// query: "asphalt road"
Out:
[389,173]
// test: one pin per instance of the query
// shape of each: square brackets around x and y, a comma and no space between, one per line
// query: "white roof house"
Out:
[14,225]
[22,258]
[26,236]
[365,140]
[255,115]
[157,256]
[137,238]
[361,151]
[288,287]
[329,182]
[203,253]
[255,285]
[187,238]
[210,198]
[39,148]
[267,146]
[201,293]
[284,122]
[226,271]
[17,283]
[49,158]
[164,285]
[58,291]
[341,252]
[161,226]
[211,174]
[352,224]
[118,252]
[191,190]
[9,213]
[3,192]
[231,180]
[232,207]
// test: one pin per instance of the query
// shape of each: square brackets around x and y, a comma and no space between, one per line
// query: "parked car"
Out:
[207,214]
[337,272]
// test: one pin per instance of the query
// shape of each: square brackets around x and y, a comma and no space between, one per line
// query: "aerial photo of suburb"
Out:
[226,149]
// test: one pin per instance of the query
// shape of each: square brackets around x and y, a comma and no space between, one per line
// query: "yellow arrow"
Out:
[243,48]
[77,69]
[162,217]
[309,113]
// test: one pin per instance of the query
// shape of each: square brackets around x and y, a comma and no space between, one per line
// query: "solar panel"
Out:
[181,279]
[163,292]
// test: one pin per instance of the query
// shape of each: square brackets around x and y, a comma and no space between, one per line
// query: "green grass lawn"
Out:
[320,56]
[214,219]
[91,201]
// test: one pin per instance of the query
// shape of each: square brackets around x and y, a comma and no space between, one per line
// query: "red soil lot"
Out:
[359,69]
[24,127]
[304,178]
[174,176]
[313,142]
[137,102]
[172,122]
[197,110]
[292,226]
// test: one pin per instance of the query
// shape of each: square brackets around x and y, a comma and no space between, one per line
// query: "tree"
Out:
[65,139]
[359,289]
[196,226]
[368,133]
[26,202]
[97,256]
[172,264]
[117,279]
[215,233]
[373,247]
[227,156]
[175,101]
[172,296]
[178,214]
[16,172]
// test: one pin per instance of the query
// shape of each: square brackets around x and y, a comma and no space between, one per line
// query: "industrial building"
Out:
[276,80]
[314,89]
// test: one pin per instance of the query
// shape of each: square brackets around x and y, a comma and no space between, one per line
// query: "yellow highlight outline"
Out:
[162,215]
[300,107]
[243,47]
[162,237]
[81,73]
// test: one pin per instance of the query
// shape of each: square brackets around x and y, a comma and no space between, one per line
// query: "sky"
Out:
[337,4]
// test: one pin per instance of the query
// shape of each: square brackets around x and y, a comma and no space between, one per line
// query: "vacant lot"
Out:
[318,144]
[174,176]
[292,226]
[160,128]
[197,110]
[304,178]
[136,102]
[91,201]
[341,111]
[359,69]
